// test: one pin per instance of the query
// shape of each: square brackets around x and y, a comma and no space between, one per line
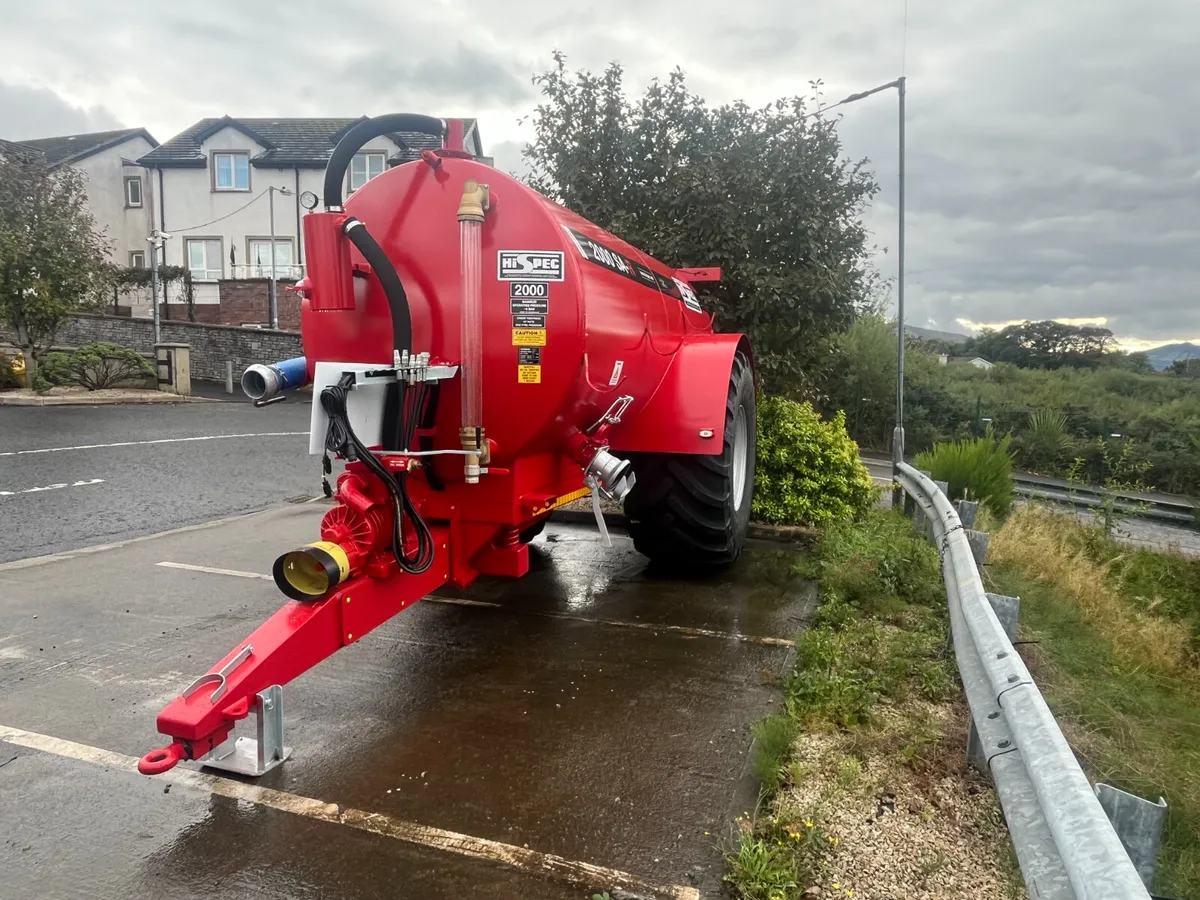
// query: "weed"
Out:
[849,772]
[922,740]
[773,739]
[931,865]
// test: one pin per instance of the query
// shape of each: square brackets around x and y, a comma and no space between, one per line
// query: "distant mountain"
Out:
[1162,357]
[928,334]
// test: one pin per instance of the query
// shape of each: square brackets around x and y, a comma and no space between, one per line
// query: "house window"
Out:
[204,259]
[364,167]
[260,258]
[231,171]
[137,259]
[133,190]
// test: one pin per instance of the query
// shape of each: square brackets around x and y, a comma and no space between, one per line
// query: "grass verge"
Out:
[1115,658]
[864,790]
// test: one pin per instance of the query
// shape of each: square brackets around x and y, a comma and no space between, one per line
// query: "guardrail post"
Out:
[1006,609]
[979,541]
[967,511]
[1139,824]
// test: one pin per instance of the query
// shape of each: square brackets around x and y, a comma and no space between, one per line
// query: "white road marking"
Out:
[97,548]
[213,570]
[207,437]
[548,865]
[52,487]
[614,623]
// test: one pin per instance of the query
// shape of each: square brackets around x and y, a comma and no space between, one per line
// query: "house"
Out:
[222,187]
[116,185]
[977,361]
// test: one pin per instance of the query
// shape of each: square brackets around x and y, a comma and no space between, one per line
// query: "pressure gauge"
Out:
[308,200]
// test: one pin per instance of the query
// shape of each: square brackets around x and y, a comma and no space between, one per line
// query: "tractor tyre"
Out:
[687,510]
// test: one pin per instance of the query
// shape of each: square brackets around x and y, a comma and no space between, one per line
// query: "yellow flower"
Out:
[836,885]
[808,824]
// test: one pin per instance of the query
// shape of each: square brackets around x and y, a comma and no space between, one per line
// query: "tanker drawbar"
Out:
[478,355]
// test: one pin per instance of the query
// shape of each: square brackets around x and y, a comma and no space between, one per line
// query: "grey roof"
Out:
[16,150]
[71,148]
[287,143]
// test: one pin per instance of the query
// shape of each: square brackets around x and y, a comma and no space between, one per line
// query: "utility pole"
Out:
[155,242]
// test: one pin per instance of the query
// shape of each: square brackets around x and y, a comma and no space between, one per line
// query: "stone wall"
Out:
[211,345]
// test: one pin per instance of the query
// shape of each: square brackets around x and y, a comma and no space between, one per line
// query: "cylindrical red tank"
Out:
[573,317]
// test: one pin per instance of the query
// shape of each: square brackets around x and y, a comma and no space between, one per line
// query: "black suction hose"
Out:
[356,137]
[393,288]
[335,174]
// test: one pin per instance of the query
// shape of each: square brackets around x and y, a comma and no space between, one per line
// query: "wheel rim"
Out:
[741,442]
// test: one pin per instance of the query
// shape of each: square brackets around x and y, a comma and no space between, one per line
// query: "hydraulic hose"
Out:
[356,137]
[393,288]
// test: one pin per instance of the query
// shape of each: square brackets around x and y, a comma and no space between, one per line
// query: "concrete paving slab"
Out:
[528,722]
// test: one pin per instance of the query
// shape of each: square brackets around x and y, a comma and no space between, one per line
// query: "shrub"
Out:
[8,377]
[56,369]
[808,469]
[978,469]
[96,366]
[1045,441]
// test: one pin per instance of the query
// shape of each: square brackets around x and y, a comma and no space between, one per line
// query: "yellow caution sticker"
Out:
[529,337]
[529,374]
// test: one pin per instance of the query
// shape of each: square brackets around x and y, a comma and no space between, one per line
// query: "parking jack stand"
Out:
[254,756]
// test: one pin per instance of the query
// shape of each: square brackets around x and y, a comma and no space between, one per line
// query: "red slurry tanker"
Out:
[478,356]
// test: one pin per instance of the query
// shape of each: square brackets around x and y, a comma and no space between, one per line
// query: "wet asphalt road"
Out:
[591,710]
[105,494]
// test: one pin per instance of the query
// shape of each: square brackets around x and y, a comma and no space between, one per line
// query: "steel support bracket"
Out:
[259,755]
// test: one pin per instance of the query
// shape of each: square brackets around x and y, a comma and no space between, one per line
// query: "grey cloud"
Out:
[27,113]
[466,73]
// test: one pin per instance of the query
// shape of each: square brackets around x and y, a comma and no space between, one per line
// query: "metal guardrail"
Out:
[1066,844]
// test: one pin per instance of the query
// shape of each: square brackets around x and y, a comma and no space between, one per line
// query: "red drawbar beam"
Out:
[291,642]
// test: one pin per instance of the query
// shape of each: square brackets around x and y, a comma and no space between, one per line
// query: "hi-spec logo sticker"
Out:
[530,265]
[595,252]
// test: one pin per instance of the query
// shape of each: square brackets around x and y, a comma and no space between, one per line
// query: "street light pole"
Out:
[274,311]
[898,433]
[272,291]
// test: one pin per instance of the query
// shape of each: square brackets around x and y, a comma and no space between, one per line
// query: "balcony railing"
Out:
[256,270]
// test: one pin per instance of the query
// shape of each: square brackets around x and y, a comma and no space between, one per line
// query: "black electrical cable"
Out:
[340,438]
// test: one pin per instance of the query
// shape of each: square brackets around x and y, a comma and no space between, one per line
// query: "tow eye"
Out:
[243,755]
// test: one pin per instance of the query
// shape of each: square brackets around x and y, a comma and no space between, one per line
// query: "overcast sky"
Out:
[1053,145]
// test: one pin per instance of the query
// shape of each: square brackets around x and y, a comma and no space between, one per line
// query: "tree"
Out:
[1052,345]
[763,193]
[53,260]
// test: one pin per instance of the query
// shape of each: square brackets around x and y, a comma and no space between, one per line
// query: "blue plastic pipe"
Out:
[262,382]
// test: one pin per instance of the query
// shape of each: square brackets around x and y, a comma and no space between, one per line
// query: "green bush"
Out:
[56,369]
[808,469]
[978,469]
[8,378]
[96,366]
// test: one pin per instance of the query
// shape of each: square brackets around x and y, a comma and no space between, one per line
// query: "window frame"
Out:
[233,155]
[208,268]
[131,180]
[282,270]
[139,254]
[366,156]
